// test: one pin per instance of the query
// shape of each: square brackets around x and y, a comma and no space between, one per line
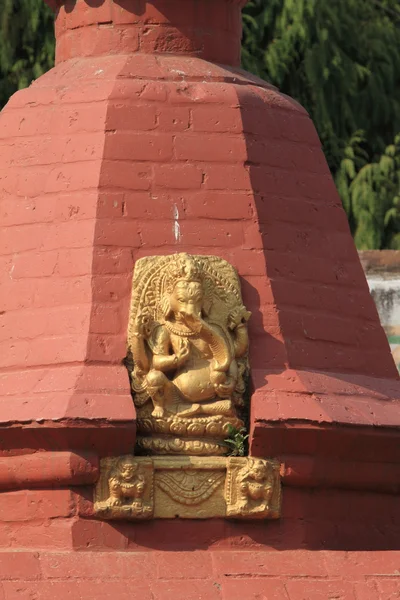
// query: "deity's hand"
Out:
[183,352]
[140,488]
[237,317]
[114,501]
[143,325]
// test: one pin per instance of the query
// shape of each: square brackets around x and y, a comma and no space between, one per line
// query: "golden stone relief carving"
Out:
[252,488]
[188,487]
[187,353]
[125,488]
[188,363]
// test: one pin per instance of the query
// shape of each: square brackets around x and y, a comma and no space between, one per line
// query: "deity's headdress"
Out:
[156,276]
[185,268]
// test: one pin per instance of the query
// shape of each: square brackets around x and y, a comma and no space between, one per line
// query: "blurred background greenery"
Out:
[339,58]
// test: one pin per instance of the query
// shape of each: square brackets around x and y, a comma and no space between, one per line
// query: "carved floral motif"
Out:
[188,345]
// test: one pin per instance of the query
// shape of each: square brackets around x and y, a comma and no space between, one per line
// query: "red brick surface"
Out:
[124,154]
[311,520]
[42,469]
[329,545]
[289,575]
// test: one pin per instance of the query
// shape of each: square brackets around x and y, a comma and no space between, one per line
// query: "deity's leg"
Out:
[218,407]
[160,390]
[224,382]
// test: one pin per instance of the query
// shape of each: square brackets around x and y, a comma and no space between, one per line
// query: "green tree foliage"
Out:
[339,58]
[26,44]
[370,193]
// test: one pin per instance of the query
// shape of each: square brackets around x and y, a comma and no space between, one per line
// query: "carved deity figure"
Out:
[194,487]
[256,487]
[125,488]
[188,339]
[126,483]
[252,488]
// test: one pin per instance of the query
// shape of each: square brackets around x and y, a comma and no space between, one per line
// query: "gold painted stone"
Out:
[125,489]
[253,488]
[167,487]
[189,487]
[187,353]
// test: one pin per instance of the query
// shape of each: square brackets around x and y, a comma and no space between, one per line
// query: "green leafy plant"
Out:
[26,44]
[340,60]
[370,191]
[236,441]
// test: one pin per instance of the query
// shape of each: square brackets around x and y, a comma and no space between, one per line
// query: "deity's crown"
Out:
[185,268]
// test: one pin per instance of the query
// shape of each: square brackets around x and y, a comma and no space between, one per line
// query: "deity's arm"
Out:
[237,324]
[268,490]
[138,347]
[240,340]
[243,486]
[114,486]
[218,345]
[165,363]
[161,344]
[140,485]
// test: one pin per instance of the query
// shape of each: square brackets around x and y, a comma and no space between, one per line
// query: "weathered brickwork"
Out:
[323,548]
[216,575]
[127,165]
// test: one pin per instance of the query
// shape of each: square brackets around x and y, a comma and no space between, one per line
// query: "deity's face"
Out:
[259,472]
[187,298]
[128,470]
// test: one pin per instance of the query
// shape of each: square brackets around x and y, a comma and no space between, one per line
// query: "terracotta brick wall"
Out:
[212,575]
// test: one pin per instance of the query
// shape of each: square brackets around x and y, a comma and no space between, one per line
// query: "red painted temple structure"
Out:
[148,139]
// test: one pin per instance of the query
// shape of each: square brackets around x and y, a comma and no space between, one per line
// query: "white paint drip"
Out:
[176,226]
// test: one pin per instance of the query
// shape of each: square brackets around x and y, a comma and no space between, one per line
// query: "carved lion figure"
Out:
[126,482]
[256,486]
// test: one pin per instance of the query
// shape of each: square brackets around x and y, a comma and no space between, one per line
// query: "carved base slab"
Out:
[164,445]
[191,436]
[167,487]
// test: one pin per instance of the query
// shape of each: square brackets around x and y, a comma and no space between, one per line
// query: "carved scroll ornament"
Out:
[188,346]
